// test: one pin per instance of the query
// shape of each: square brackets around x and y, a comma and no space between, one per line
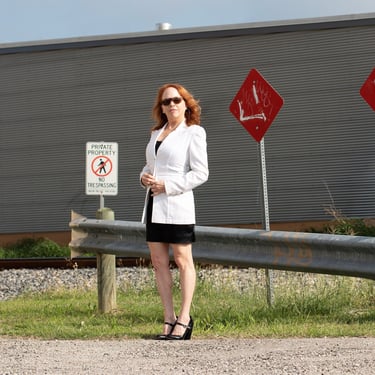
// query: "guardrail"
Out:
[293,251]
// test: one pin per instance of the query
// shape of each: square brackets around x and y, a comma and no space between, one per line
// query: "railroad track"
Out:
[61,262]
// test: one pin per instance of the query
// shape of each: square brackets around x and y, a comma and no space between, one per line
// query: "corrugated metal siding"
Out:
[318,150]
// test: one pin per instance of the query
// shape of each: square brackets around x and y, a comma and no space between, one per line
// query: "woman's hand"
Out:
[157,188]
[147,179]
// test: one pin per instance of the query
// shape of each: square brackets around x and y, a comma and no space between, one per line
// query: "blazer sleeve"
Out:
[198,165]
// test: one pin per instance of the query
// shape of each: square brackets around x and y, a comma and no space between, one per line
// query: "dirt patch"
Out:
[216,356]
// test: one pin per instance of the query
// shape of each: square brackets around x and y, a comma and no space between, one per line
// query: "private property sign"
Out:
[101,168]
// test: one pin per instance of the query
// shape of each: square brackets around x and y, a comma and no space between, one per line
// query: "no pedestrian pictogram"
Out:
[101,166]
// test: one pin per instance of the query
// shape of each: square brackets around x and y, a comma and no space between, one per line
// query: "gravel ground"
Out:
[214,356]
[224,356]
[17,281]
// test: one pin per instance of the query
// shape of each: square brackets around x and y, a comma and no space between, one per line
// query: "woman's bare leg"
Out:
[160,262]
[184,259]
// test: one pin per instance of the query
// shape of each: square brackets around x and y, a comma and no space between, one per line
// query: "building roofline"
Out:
[351,20]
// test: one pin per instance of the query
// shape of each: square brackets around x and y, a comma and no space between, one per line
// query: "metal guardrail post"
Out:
[106,271]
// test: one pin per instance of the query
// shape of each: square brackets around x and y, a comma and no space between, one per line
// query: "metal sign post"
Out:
[266,216]
[255,106]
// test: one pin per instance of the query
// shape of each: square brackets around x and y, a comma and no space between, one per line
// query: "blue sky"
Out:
[32,20]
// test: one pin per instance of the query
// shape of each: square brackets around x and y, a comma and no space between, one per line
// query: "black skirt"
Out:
[167,233]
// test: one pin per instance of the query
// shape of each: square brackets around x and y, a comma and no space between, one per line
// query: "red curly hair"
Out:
[193,110]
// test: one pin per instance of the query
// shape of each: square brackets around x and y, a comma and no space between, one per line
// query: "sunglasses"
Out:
[175,100]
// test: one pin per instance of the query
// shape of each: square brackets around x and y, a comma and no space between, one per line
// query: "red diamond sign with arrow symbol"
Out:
[368,90]
[256,105]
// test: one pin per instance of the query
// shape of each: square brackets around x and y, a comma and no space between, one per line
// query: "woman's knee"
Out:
[159,256]
[183,260]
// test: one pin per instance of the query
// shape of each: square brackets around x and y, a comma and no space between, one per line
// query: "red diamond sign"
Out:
[256,105]
[368,90]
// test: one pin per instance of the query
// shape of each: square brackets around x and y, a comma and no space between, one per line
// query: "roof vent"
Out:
[163,26]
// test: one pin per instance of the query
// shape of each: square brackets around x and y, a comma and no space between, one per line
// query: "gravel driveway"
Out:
[217,356]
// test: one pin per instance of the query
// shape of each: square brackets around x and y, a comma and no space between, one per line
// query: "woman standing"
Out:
[176,163]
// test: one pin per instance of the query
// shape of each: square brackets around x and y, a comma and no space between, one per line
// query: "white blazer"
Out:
[181,162]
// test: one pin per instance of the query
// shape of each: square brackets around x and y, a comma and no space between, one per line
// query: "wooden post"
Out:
[106,271]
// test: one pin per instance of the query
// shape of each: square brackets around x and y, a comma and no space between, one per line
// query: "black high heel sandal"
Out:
[164,336]
[186,335]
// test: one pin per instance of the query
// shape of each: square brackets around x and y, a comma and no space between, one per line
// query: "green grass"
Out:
[34,248]
[304,306]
